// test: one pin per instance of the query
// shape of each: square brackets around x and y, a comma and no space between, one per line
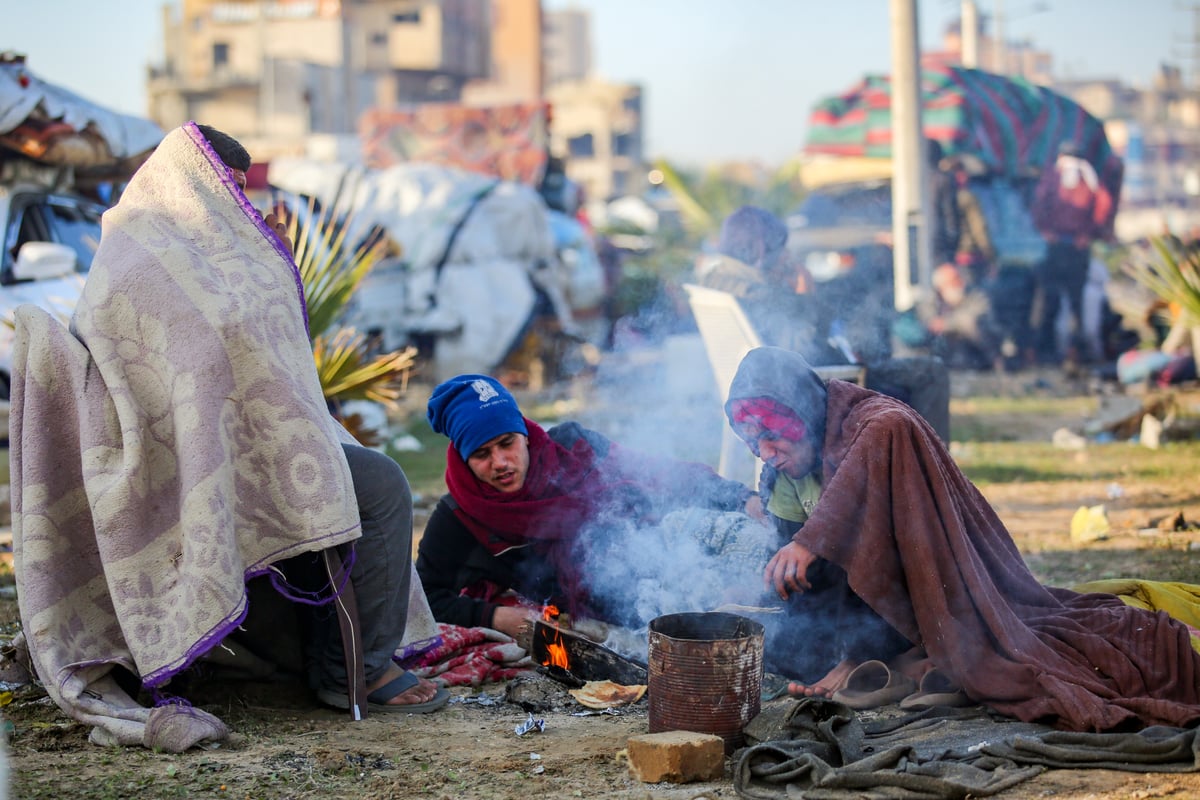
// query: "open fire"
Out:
[556,651]
[574,659]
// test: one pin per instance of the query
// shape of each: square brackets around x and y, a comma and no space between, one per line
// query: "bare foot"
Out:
[422,692]
[835,679]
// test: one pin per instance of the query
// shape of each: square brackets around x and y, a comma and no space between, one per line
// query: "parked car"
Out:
[841,236]
[49,238]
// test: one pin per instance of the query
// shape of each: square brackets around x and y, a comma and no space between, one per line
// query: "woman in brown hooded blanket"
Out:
[885,502]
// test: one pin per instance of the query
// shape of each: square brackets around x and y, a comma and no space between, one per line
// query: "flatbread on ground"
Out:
[606,694]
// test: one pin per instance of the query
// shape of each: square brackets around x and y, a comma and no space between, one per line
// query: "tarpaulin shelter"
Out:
[51,125]
[1011,126]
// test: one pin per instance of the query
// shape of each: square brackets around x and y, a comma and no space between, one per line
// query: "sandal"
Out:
[873,684]
[377,700]
[936,689]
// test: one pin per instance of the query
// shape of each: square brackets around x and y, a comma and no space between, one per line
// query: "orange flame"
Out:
[556,651]
[556,655]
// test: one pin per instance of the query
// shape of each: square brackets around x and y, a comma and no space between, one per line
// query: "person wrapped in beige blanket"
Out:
[175,443]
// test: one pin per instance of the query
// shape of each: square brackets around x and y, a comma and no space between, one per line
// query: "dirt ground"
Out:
[285,746]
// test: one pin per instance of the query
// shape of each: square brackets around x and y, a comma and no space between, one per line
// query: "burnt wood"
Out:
[586,660]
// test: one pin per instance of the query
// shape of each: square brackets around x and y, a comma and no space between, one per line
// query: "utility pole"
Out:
[969,34]
[349,100]
[999,49]
[910,181]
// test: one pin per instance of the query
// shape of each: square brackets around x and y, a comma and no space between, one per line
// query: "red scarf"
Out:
[564,490]
[556,500]
[754,416]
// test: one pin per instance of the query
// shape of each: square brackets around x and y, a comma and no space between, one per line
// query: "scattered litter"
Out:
[595,712]
[1089,524]
[538,770]
[535,756]
[1151,432]
[1114,491]
[530,724]
[481,699]
[1174,523]
[407,443]
[1065,439]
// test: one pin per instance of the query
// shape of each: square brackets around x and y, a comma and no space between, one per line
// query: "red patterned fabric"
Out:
[470,657]
[508,142]
[770,416]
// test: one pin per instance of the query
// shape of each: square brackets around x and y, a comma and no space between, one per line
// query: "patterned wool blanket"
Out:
[460,656]
[173,443]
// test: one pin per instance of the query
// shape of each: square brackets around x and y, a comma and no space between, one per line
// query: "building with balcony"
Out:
[273,72]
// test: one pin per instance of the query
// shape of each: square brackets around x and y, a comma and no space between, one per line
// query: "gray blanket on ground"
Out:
[816,748]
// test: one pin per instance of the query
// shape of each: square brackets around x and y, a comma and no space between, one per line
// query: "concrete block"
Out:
[676,756]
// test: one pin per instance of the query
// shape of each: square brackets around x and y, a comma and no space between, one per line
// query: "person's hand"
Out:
[514,620]
[755,508]
[281,230]
[787,571]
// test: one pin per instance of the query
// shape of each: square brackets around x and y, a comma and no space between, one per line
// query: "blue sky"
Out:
[722,80]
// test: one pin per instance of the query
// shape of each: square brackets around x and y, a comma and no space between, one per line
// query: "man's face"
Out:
[502,462]
[791,456]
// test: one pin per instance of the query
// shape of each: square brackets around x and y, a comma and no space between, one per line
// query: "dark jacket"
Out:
[450,560]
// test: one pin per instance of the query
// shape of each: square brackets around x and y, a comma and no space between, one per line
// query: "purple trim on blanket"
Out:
[405,655]
[222,170]
[206,643]
[223,629]
[164,699]
[320,597]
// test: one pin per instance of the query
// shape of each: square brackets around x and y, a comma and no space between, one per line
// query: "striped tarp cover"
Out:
[1013,126]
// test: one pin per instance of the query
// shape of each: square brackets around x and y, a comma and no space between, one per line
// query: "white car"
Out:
[49,239]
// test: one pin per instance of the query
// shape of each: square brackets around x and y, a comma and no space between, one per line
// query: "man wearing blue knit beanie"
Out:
[525,505]
[473,409]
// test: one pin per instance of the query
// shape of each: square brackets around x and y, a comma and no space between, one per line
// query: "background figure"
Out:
[1072,208]
[752,265]
[943,191]
[961,327]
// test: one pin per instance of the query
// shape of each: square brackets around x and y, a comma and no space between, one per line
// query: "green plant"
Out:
[705,200]
[1174,277]
[331,269]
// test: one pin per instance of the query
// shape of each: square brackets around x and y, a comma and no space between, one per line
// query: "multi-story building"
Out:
[567,45]
[284,75]
[597,129]
[515,72]
[272,72]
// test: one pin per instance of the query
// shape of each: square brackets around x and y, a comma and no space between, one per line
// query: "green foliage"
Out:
[331,268]
[1013,462]
[706,199]
[1173,278]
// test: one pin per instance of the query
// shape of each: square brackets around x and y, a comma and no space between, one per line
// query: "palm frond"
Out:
[695,216]
[1174,277]
[331,268]
[348,372]
[333,256]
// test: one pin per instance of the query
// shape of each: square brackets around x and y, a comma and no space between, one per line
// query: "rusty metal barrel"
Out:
[705,674]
